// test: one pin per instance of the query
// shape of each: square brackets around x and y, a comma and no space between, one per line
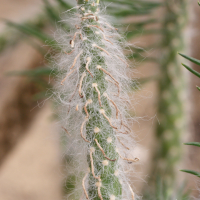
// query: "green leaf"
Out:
[193,144]
[137,4]
[127,12]
[64,4]
[199,3]
[191,70]
[41,95]
[196,61]
[54,14]
[33,31]
[51,11]
[198,88]
[131,8]
[142,23]
[42,71]
[191,172]
[142,32]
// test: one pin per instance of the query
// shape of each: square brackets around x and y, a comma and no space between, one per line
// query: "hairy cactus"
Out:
[93,101]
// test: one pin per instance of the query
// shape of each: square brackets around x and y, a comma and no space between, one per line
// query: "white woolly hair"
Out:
[70,81]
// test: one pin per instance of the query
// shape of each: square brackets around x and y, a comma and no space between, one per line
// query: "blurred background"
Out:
[166,101]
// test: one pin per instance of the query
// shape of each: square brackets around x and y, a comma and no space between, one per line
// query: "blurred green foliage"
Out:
[197,144]
[172,90]
[161,192]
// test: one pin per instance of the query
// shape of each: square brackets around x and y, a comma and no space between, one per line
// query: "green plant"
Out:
[161,192]
[195,61]
[171,110]
[91,91]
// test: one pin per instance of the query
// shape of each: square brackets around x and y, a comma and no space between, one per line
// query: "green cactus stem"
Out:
[94,86]
[103,184]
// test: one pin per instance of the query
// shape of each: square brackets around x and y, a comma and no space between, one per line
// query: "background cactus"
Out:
[92,96]
[172,89]
[197,74]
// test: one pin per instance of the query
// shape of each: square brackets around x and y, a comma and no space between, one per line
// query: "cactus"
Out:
[172,86]
[93,101]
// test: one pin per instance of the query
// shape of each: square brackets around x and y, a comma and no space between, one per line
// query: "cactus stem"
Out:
[102,111]
[99,78]
[103,151]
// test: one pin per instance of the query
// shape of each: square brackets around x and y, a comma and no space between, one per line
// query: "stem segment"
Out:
[102,155]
